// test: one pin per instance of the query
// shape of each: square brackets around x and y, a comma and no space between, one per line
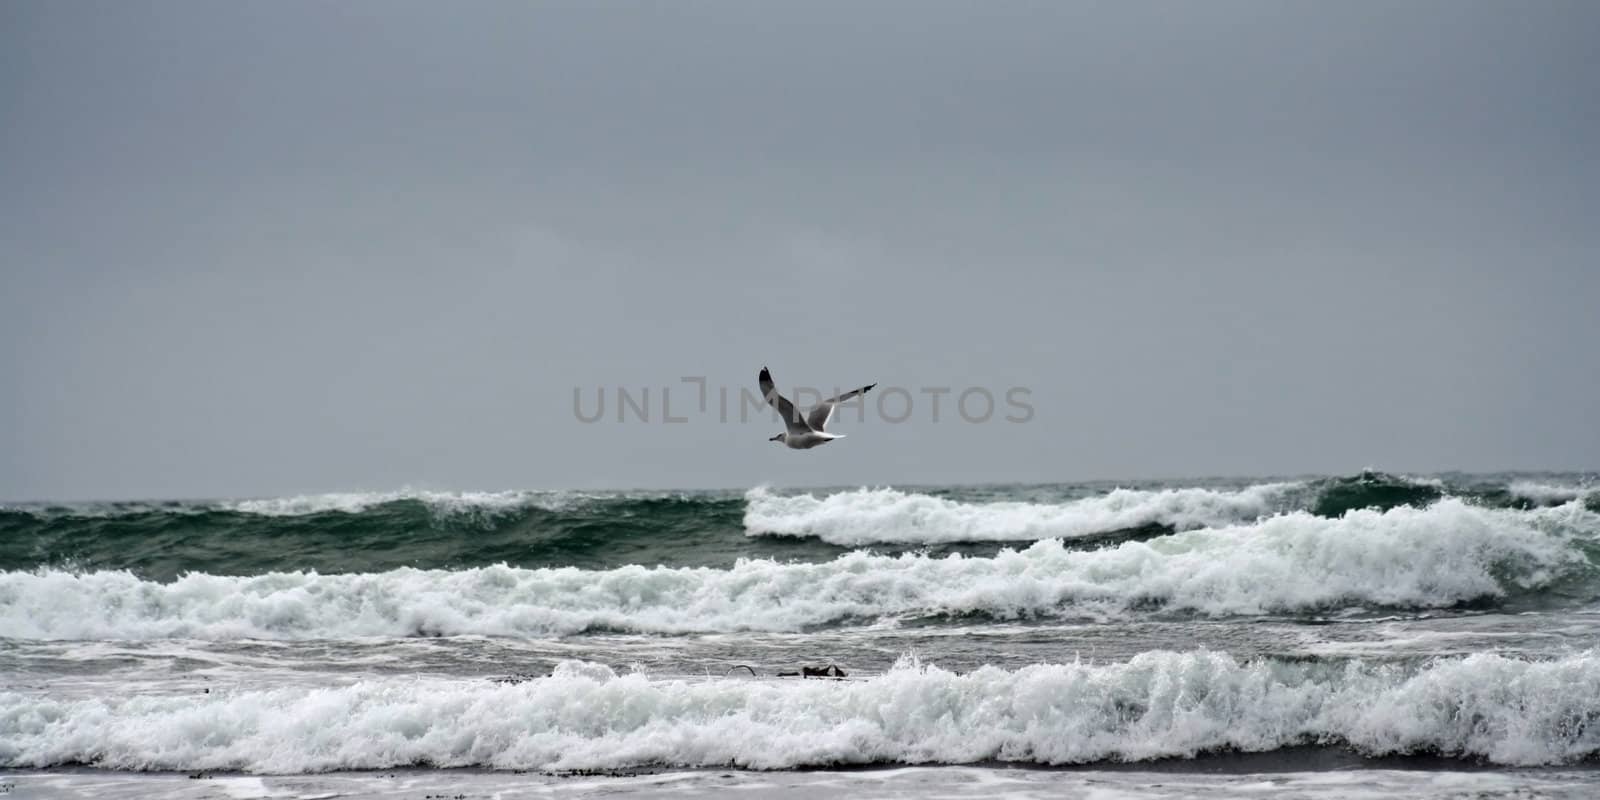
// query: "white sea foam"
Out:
[943,782]
[585,716]
[1546,494]
[1436,556]
[437,501]
[866,516]
[443,503]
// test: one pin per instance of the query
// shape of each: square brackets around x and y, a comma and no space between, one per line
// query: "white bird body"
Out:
[803,433]
[806,441]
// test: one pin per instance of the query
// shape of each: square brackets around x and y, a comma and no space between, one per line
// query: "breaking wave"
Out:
[1546,494]
[1443,555]
[382,531]
[369,532]
[442,503]
[868,516]
[586,716]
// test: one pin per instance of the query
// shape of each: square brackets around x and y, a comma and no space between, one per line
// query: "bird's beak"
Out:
[775,438]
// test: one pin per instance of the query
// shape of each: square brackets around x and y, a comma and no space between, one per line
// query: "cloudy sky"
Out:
[258,248]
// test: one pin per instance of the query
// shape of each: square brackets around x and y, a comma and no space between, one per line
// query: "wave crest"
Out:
[1546,494]
[444,503]
[1440,556]
[585,716]
[867,516]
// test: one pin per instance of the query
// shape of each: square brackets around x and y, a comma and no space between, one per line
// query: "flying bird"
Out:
[804,433]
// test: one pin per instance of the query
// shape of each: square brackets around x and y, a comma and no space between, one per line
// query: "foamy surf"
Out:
[587,716]
[1547,494]
[869,516]
[1435,557]
[357,502]
[441,502]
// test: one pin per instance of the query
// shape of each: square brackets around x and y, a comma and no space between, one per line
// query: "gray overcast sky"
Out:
[253,248]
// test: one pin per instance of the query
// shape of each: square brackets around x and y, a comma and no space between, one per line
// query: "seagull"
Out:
[805,432]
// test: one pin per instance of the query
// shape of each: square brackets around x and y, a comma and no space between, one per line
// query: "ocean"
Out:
[1368,635]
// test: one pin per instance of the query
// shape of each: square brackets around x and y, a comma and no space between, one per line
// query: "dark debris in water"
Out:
[830,671]
[518,677]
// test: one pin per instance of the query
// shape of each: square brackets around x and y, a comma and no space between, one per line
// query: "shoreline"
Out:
[1227,779]
[1296,759]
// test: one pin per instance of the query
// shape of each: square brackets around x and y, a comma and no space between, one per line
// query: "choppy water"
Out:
[1373,619]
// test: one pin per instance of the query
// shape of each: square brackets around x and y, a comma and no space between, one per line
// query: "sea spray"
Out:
[1160,704]
[869,516]
[1446,554]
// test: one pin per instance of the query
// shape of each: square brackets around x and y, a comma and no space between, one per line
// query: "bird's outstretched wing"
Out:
[823,414]
[791,418]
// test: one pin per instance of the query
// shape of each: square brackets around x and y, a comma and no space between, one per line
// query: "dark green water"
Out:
[376,533]
[1367,616]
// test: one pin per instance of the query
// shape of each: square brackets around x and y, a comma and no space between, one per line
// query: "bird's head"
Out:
[778,438]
